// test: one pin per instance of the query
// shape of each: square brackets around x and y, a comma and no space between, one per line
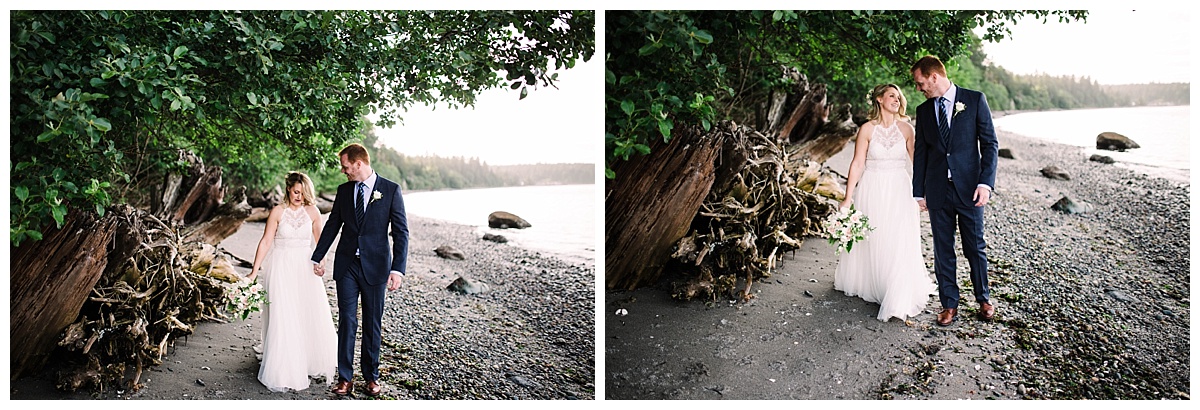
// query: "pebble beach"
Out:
[1092,305]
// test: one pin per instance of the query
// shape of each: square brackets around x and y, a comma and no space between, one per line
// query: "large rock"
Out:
[1006,153]
[494,238]
[1066,205]
[448,252]
[1103,159]
[1114,142]
[1053,172]
[468,287]
[505,220]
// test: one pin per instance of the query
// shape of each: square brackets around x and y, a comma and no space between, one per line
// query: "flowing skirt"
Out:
[887,268]
[299,338]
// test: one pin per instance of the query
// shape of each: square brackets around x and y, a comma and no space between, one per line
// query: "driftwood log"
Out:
[105,297]
[652,201]
[763,189]
[741,232]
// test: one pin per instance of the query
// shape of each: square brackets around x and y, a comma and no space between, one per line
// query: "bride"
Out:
[299,338]
[887,267]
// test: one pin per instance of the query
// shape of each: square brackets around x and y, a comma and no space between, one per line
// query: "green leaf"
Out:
[21,193]
[703,37]
[48,135]
[47,35]
[516,85]
[100,210]
[641,149]
[609,77]
[253,98]
[627,107]
[179,51]
[649,49]
[664,127]
[524,92]
[608,173]
[102,124]
[58,212]
[35,235]
[96,82]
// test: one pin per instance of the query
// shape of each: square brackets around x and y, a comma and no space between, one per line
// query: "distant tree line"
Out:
[431,172]
[548,174]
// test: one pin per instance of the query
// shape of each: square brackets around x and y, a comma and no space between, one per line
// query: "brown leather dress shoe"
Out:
[373,388]
[947,317]
[342,387]
[986,311]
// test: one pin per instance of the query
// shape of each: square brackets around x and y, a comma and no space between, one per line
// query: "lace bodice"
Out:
[887,149]
[295,229]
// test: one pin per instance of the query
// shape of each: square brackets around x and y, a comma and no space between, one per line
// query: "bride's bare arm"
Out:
[858,163]
[268,238]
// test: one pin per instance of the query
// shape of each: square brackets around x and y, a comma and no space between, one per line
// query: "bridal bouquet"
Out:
[845,227]
[245,298]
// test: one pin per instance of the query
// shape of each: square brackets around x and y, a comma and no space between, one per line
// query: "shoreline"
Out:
[531,336]
[1093,305]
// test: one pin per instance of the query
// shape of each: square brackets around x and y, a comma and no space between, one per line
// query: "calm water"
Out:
[1162,132]
[563,216]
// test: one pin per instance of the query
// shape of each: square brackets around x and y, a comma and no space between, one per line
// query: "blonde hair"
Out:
[877,110]
[307,194]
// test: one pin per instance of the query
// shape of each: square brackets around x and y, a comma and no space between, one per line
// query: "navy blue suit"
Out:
[970,157]
[362,263]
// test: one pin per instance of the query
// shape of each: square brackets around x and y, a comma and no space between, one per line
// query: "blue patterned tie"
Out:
[360,212]
[943,126]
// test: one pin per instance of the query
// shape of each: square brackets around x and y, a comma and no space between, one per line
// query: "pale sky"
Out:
[1112,47]
[550,125]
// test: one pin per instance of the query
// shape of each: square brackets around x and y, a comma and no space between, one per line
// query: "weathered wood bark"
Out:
[651,203]
[51,280]
[826,141]
[224,221]
[740,233]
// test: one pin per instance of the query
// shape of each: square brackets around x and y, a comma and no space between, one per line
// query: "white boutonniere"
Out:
[959,107]
[375,196]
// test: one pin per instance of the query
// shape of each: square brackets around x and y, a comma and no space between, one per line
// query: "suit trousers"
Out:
[969,220]
[350,287]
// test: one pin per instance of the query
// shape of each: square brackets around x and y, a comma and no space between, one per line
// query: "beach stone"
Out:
[495,238]
[1006,153]
[1114,142]
[1103,159]
[1118,295]
[1053,172]
[449,252]
[505,220]
[1068,206]
[468,287]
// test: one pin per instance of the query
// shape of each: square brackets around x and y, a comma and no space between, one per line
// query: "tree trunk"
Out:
[651,203]
[51,280]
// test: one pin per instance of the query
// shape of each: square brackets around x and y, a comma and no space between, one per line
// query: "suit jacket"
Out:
[970,156]
[370,239]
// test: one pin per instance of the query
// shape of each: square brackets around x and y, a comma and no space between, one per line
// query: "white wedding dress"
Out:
[887,268]
[299,338]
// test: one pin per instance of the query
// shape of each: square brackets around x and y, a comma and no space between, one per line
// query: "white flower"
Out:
[375,196]
[845,227]
[958,107]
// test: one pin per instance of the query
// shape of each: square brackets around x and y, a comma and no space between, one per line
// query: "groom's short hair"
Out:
[356,152]
[928,65]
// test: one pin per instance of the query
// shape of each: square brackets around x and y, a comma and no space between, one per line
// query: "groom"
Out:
[954,172]
[364,209]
